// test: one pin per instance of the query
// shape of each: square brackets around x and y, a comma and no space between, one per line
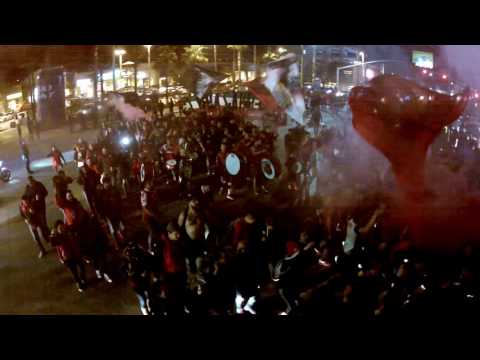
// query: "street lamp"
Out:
[120,53]
[281,50]
[362,55]
[149,64]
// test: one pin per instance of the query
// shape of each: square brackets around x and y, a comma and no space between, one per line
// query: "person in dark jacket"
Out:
[138,275]
[36,190]
[60,184]
[89,177]
[96,249]
[26,156]
[109,207]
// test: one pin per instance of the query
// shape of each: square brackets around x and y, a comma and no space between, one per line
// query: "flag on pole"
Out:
[281,90]
[263,94]
[199,80]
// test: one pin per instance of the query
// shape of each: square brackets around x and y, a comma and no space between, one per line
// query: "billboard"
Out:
[422,59]
[50,109]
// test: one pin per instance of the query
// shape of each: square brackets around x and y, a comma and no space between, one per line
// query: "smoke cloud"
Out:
[128,111]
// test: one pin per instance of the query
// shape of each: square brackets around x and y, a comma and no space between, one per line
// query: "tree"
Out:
[195,54]
[167,60]
[238,49]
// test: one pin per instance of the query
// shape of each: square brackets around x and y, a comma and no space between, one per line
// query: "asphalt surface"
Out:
[29,285]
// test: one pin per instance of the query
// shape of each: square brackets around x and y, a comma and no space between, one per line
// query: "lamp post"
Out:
[114,86]
[149,65]
[314,61]
[119,53]
[255,59]
[362,56]
[302,50]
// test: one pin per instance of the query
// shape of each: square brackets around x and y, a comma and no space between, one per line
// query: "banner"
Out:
[258,89]
[283,82]
[281,89]
[199,80]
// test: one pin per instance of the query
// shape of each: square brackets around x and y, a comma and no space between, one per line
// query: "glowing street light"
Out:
[444,77]
[120,53]
[369,74]
[362,55]
[282,50]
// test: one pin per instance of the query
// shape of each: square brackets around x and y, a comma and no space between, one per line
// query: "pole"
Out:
[255,59]
[363,68]
[135,77]
[215,56]
[233,66]
[95,86]
[101,83]
[314,60]
[239,54]
[113,69]
[149,67]
[338,79]
[120,58]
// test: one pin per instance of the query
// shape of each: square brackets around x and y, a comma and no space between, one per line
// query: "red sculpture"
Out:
[402,119]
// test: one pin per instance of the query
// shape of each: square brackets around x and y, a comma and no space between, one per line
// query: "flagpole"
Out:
[314,60]
[255,59]
[301,64]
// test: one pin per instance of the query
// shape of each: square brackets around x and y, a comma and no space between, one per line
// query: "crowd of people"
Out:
[278,257]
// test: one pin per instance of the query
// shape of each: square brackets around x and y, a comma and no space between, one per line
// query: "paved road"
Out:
[29,285]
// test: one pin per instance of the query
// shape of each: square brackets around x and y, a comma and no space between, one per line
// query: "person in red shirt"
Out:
[79,150]
[69,252]
[91,153]
[57,158]
[257,152]
[33,220]
[105,162]
[89,177]
[76,217]
[175,269]
[148,200]
[171,151]
[243,230]
[224,177]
